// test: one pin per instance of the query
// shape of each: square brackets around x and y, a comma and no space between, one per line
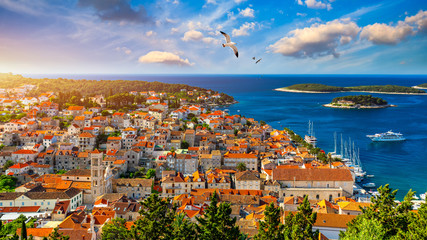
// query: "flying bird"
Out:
[253,58]
[258,61]
[229,43]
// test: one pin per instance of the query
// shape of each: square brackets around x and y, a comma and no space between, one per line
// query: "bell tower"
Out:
[97,173]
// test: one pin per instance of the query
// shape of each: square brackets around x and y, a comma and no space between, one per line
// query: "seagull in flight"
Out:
[229,43]
[258,61]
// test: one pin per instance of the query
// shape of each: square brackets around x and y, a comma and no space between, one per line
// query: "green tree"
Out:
[393,219]
[270,227]
[370,229]
[115,230]
[300,225]
[55,235]
[183,228]
[241,167]
[156,219]
[7,183]
[184,145]
[151,173]
[23,231]
[216,222]
[417,228]
[8,164]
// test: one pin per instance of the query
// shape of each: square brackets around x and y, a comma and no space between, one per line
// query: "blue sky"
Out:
[179,36]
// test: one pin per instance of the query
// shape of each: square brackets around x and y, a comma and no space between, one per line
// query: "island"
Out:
[421,86]
[360,101]
[322,88]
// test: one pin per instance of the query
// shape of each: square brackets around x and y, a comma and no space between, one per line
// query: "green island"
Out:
[321,88]
[421,86]
[360,101]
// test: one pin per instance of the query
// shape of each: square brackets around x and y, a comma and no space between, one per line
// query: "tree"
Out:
[394,220]
[216,222]
[184,145]
[55,235]
[7,183]
[156,219]
[115,230]
[23,231]
[151,173]
[8,164]
[183,228]
[300,225]
[241,167]
[271,227]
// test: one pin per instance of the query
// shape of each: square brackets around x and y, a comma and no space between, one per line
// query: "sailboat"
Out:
[334,154]
[310,138]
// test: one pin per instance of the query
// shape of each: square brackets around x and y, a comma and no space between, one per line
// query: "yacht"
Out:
[386,137]
[369,185]
[310,138]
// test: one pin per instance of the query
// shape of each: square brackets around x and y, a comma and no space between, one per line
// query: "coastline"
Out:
[301,91]
[422,88]
[297,91]
[358,106]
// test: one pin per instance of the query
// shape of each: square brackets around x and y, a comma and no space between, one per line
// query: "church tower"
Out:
[97,174]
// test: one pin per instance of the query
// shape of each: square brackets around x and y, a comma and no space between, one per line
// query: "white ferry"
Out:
[386,137]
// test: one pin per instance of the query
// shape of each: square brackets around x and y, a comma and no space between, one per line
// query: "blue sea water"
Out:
[401,164]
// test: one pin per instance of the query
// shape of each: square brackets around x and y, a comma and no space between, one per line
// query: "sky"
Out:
[183,36]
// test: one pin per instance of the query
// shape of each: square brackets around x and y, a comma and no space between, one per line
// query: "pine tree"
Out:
[271,227]
[115,230]
[156,220]
[55,235]
[300,225]
[394,221]
[183,228]
[216,222]
[23,231]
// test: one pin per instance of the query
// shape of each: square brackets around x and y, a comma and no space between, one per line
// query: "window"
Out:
[317,196]
[21,204]
[330,198]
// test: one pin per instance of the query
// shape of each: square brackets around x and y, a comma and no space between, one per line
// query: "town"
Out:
[72,169]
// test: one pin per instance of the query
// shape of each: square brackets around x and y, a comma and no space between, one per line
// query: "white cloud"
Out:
[211,40]
[247,12]
[210,1]
[192,35]
[244,29]
[124,50]
[239,1]
[165,58]
[316,40]
[380,33]
[150,33]
[315,4]
[420,20]
[301,14]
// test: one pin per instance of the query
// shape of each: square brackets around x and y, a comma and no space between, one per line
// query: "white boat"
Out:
[310,138]
[423,196]
[369,185]
[370,176]
[416,197]
[386,137]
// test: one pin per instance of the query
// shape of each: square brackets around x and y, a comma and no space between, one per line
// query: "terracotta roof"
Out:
[78,172]
[36,232]
[75,108]
[19,166]
[86,135]
[24,151]
[240,155]
[19,209]
[246,176]
[312,174]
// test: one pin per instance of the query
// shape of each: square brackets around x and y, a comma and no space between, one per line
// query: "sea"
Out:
[403,165]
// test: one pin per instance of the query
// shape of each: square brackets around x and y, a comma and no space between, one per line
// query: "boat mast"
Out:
[342,152]
[335,143]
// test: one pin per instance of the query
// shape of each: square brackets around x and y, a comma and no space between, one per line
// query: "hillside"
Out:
[94,87]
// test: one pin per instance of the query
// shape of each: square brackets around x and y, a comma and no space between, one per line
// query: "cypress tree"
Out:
[216,222]
[23,231]
[300,225]
[271,227]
